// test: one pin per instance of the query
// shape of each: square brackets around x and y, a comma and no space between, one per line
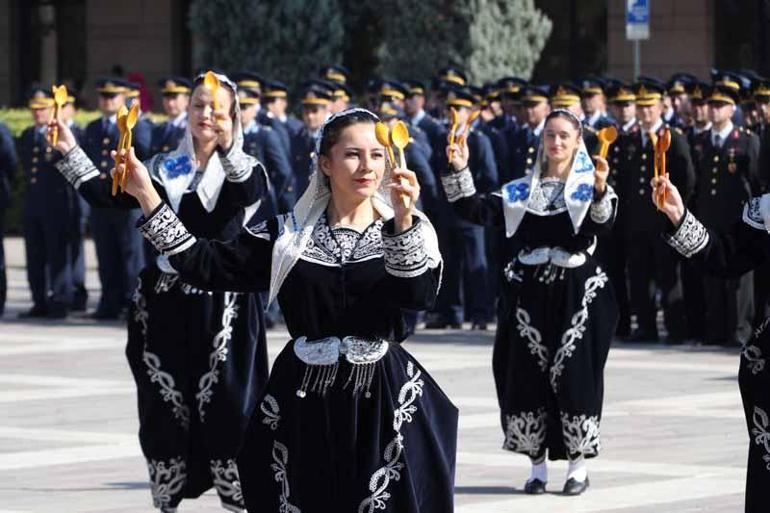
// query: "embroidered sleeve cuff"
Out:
[237,165]
[756,212]
[690,238]
[165,231]
[603,209]
[405,254]
[77,167]
[458,185]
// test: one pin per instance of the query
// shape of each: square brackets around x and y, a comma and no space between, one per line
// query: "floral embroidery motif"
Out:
[754,360]
[280,460]
[602,210]
[584,192]
[405,254]
[334,247]
[581,434]
[458,185]
[166,232]
[760,432]
[534,337]
[756,212]
[166,481]
[76,167]
[237,165]
[578,326]
[525,432]
[690,238]
[166,382]
[515,191]
[378,484]
[583,163]
[178,166]
[219,354]
[228,484]
[272,412]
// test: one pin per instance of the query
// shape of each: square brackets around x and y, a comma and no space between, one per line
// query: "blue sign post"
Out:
[637,28]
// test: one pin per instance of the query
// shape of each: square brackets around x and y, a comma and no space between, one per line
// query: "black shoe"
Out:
[36,312]
[574,487]
[534,487]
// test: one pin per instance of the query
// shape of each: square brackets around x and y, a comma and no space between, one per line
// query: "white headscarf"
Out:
[578,191]
[176,183]
[298,225]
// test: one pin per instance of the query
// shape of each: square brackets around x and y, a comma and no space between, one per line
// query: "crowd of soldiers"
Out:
[718,158]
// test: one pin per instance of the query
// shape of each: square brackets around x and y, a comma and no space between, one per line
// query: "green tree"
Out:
[284,39]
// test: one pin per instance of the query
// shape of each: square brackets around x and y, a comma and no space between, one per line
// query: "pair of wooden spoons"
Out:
[60,99]
[398,137]
[126,120]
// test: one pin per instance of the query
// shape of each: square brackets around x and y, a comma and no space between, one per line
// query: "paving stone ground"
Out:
[673,432]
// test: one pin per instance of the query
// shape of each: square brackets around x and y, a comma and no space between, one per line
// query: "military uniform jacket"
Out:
[727,177]
[45,187]
[636,170]
[166,137]
[8,163]
[265,145]
[101,137]
[302,148]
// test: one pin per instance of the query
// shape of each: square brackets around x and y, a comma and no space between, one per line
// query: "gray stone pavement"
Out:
[673,432]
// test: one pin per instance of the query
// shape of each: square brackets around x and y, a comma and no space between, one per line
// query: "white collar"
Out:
[418,117]
[655,128]
[701,130]
[724,133]
[625,128]
[539,128]
[112,119]
[594,118]
[180,121]
[251,128]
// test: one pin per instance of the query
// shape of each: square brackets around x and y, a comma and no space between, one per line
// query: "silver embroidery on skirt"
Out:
[581,434]
[525,432]
[280,461]
[761,433]
[167,478]
[272,412]
[226,480]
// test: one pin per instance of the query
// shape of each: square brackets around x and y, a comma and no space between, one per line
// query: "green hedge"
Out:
[17,120]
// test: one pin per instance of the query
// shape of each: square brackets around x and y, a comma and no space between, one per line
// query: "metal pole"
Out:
[637,59]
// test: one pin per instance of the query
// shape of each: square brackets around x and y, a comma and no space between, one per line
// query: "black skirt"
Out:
[381,438]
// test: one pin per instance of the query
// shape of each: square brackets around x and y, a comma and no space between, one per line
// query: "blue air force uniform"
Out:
[8,163]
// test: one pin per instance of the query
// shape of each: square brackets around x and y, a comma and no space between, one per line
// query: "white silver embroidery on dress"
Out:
[755,212]
[547,198]
[359,351]
[237,165]
[167,478]
[690,238]
[226,480]
[219,354]
[525,432]
[601,211]
[378,484]
[343,245]
[259,231]
[405,255]
[458,185]
[534,337]
[76,167]
[168,390]
[760,432]
[280,461]
[269,407]
[166,232]
[754,360]
[577,326]
[581,434]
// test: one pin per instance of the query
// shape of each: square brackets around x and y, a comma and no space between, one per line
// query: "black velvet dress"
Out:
[349,420]
[199,358]
[556,318]
[728,255]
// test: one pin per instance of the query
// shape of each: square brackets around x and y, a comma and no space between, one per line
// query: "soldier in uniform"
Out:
[316,99]
[334,73]
[8,163]
[341,97]
[728,176]
[594,102]
[50,213]
[275,102]
[414,107]
[264,143]
[677,90]
[176,97]
[115,237]
[650,260]
[522,148]
[464,294]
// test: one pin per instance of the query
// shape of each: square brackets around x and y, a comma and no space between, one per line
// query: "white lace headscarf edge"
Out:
[300,222]
[214,176]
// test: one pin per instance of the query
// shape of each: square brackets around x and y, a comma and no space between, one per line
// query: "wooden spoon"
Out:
[211,82]
[607,136]
[661,147]
[59,98]
[131,119]
[121,122]
[382,132]
[400,139]
[471,119]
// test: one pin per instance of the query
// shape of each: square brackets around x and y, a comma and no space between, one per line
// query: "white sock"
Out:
[577,470]
[539,470]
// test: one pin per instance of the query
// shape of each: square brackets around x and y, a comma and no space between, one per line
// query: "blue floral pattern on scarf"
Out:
[516,191]
[583,163]
[178,166]
[584,192]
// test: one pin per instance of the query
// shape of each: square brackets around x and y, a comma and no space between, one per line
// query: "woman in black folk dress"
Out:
[349,420]
[731,255]
[558,309]
[199,358]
